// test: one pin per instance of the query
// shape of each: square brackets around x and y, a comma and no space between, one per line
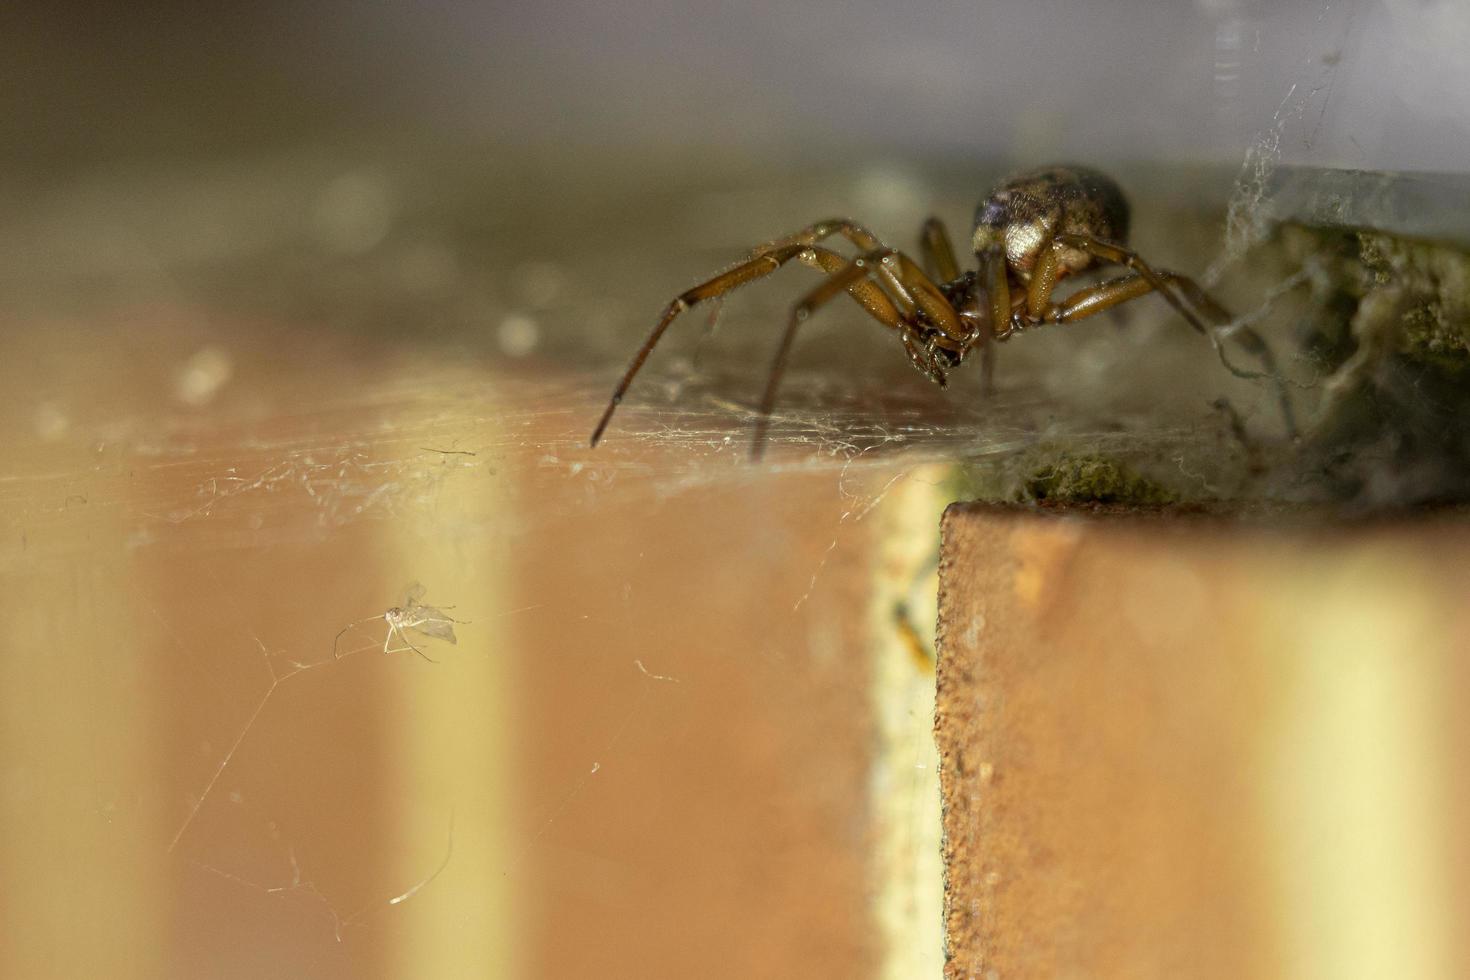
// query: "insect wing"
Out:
[431,622]
[412,594]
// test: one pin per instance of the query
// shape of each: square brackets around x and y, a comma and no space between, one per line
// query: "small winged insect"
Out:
[413,615]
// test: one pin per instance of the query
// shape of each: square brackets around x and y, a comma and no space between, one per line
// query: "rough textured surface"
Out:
[1089,480]
[1388,330]
[1185,748]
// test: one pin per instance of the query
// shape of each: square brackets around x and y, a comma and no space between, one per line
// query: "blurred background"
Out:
[304,303]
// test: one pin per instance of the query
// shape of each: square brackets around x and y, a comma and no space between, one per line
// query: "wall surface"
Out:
[1176,747]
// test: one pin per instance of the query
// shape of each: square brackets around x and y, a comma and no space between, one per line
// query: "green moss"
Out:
[1054,476]
[1429,338]
[1434,329]
[1091,480]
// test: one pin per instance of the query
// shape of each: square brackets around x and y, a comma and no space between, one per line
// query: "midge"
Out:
[1034,230]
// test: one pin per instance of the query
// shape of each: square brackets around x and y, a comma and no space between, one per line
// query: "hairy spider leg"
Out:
[755,268]
[915,288]
[905,282]
[876,257]
[937,252]
[940,312]
[958,333]
[762,264]
[996,281]
[817,231]
[843,276]
[908,279]
[913,291]
[995,286]
[1145,279]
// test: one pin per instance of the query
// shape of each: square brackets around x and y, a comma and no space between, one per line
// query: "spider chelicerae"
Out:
[1033,230]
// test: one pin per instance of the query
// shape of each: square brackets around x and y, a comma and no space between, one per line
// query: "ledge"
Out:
[1182,747]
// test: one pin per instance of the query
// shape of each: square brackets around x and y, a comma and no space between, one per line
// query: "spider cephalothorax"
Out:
[1032,231]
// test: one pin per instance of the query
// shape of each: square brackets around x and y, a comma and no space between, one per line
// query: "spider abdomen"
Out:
[1026,210]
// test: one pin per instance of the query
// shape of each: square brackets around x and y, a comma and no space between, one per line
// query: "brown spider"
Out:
[1032,231]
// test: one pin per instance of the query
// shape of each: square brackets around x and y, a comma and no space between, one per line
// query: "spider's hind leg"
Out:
[1169,285]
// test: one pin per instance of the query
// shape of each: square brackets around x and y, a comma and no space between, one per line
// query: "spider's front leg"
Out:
[767,259]
[991,321]
[762,265]
[913,288]
[915,294]
[820,230]
[922,356]
[937,252]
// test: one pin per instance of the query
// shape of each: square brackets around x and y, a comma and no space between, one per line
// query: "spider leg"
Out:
[922,357]
[853,275]
[813,233]
[1112,292]
[995,285]
[939,260]
[761,265]
[995,279]
[1099,298]
[987,364]
[848,276]
[937,252]
[953,333]
[916,291]
[895,269]
[927,297]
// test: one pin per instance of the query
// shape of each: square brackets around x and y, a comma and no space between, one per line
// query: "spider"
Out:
[1033,230]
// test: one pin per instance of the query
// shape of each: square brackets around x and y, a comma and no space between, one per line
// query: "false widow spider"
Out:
[1033,230]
